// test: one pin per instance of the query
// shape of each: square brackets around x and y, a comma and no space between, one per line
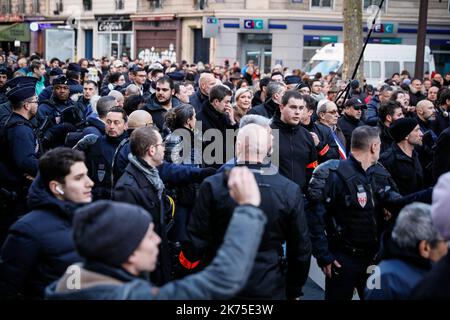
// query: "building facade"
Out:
[286,32]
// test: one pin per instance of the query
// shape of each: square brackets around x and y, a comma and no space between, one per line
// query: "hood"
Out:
[94,121]
[153,104]
[390,250]
[40,198]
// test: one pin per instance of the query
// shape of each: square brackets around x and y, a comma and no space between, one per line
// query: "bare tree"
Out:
[353,39]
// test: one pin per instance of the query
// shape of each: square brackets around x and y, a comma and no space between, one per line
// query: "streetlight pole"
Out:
[421,37]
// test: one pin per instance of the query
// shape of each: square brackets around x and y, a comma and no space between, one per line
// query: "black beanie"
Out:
[400,128]
[109,232]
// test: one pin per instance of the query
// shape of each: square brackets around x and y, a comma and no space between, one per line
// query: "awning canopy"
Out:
[16,31]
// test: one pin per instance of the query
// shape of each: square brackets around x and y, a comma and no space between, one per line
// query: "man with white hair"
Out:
[436,284]
[408,253]
[118,96]
[282,201]
[328,115]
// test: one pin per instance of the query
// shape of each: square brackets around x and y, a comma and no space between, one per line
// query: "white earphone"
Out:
[58,188]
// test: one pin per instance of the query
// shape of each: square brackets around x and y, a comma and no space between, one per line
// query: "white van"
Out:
[380,60]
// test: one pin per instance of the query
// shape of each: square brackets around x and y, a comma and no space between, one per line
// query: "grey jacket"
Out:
[222,279]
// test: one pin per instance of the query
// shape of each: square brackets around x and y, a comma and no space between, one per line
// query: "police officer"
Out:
[347,202]
[18,160]
[100,151]
[58,115]
[5,106]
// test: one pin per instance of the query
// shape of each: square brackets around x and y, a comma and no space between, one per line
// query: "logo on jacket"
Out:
[101,172]
[362,196]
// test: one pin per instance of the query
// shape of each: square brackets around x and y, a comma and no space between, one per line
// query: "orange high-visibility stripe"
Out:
[186,263]
[312,165]
[324,150]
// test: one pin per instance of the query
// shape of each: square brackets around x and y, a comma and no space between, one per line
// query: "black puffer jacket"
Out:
[296,151]
[39,247]
[406,171]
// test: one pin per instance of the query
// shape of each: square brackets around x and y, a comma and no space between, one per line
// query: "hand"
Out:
[230,112]
[243,186]
[315,138]
[327,269]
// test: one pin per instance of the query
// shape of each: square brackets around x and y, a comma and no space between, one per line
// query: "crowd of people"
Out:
[198,181]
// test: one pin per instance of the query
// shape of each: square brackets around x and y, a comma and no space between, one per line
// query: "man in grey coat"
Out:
[113,266]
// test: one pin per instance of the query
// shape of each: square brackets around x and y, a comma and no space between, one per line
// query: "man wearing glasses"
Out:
[351,118]
[18,160]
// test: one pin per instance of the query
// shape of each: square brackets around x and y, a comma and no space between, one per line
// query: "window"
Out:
[36,6]
[21,6]
[391,67]
[328,4]
[6,7]
[155,4]
[119,4]
[368,3]
[375,68]
[87,5]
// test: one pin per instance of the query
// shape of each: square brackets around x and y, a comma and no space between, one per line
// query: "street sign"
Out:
[210,27]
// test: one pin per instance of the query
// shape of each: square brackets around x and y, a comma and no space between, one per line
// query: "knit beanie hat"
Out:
[400,128]
[109,232]
[440,208]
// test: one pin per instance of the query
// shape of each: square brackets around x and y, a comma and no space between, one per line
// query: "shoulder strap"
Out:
[318,187]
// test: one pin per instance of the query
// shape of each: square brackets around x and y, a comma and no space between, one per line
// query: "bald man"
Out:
[138,119]
[205,83]
[282,202]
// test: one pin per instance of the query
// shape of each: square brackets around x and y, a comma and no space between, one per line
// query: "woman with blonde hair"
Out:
[243,102]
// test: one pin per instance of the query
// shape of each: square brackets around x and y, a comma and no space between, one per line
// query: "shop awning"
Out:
[16,31]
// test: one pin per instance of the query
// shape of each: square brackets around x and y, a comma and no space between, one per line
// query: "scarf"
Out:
[150,173]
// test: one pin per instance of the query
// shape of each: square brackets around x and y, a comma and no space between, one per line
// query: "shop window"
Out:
[322,4]
[120,4]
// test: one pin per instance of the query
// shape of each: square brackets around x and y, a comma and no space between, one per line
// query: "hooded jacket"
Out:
[157,111]
[39,246]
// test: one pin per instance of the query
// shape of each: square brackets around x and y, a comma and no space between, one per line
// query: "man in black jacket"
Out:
[281,201]
[161,101]
[401,160]
[347,199]
[441,159]
[205,83]
[296,149]
[217,121]
[389,112]
[351,119]
[141,184]
[40,247]
[322,135]
[100,151]
[442,120]
[275,91]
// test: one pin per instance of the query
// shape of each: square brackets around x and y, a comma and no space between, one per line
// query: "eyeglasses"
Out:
[332,112]
[162,144]
[359,107]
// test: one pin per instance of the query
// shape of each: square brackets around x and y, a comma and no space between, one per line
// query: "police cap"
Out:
[19,94]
